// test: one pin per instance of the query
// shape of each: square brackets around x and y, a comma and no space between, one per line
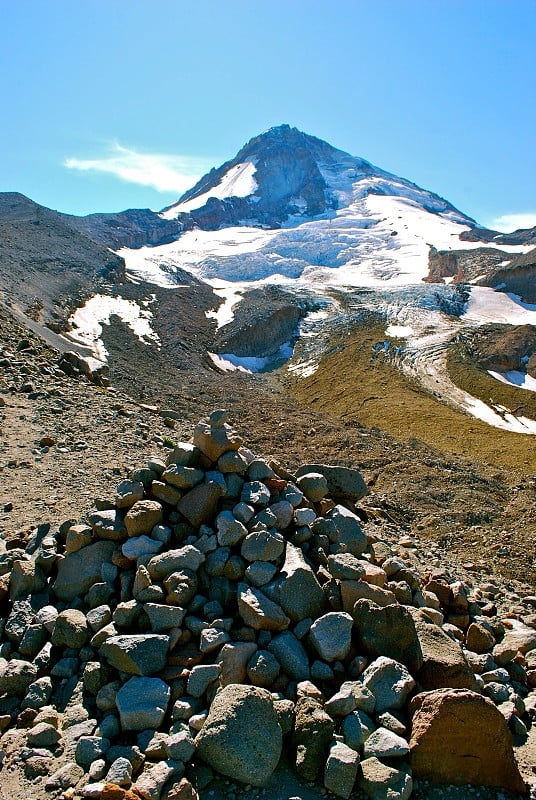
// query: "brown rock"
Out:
[183,790]
[478,639]
[199,505]
[214,442]
[460,737]
[352,591]
[444,663]
[142,517]
[258,611]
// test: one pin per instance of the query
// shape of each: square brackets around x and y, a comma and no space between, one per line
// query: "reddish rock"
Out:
[460,737]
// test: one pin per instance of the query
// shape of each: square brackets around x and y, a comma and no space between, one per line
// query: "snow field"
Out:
[87,321]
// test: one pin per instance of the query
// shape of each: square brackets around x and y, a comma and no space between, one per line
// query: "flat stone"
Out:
[187,557]
[200,504]
[383,743]
[43,735]
[258,611]
[108,524]
[164,617]
[142,703]
[141,654]
[331,635]
[182,477]
[444,663]
[78,571]
[380,782]
[139,546]
[345,567]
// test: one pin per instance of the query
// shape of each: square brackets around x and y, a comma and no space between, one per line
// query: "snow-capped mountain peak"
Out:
[284,176]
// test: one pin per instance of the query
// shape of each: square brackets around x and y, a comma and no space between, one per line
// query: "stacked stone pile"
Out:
[220,609]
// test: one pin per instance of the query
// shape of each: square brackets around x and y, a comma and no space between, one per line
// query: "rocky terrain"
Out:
[315,581]
[141,573]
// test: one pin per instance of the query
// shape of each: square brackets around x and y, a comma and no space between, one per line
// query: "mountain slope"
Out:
[45,265]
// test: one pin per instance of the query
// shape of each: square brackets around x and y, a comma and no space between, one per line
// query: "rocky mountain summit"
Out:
[219,610]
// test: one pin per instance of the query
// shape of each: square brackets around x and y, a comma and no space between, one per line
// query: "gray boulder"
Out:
[291,655]
[348,534]
[142,703]
[387,631]
[331,635]
[389,681]
[300,594]
[313,734]
[141,654]
[343,482]
[379,782]
[341,770]
[241,737]
[383,743]
[78,571]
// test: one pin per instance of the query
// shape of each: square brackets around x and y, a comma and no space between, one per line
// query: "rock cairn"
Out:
[221,609]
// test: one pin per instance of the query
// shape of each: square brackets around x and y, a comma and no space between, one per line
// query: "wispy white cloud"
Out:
[512,222]
[165,173]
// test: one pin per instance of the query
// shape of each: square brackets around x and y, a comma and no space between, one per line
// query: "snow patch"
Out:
[239,181]
[87,321]
[224,314]
[399,331]
[515,378]
[229,361]
[485,305]
[499,417]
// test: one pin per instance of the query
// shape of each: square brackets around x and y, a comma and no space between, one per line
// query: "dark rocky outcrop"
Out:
[518,277]
[264,320]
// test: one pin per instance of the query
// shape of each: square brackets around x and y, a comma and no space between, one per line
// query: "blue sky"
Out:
[111,104]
